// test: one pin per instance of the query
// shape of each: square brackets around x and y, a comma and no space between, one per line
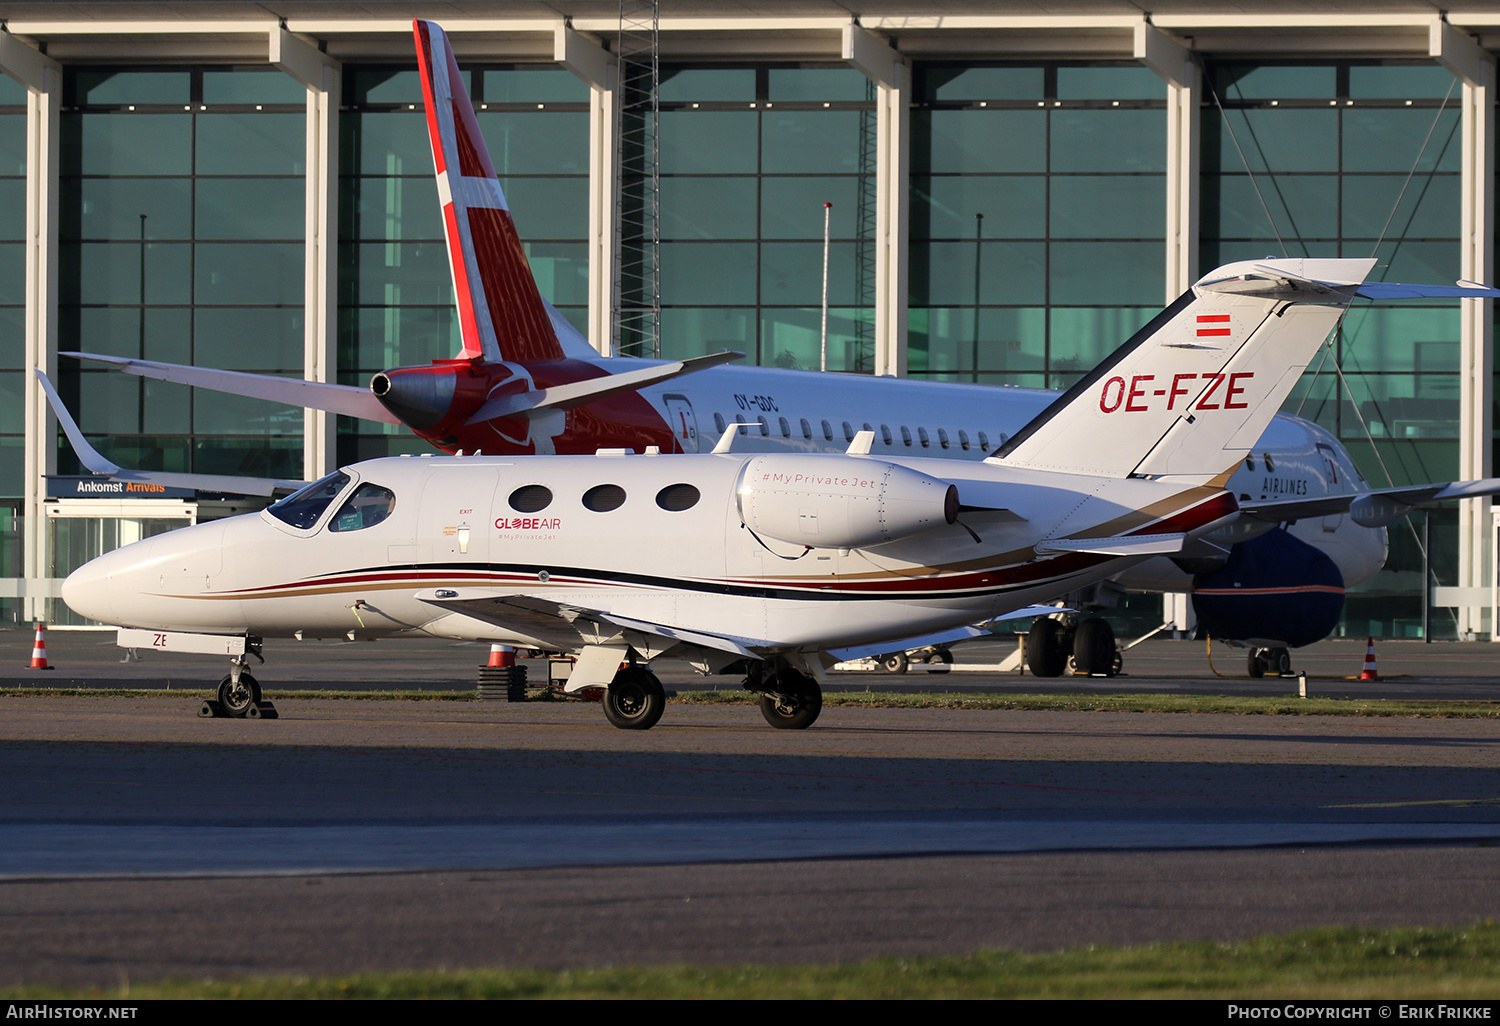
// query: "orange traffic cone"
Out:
[502,656]
[39,648]
[1369,672]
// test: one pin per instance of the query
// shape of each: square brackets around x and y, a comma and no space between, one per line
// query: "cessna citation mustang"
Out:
[775,558]
[525,382]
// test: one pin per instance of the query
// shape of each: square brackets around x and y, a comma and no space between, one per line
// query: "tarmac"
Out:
[138,841]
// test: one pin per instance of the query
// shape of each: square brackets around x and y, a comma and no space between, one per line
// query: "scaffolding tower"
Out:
[637,284]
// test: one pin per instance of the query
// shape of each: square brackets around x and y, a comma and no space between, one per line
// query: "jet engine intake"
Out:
[841,501]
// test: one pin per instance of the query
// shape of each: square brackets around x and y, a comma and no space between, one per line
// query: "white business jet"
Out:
[776,558]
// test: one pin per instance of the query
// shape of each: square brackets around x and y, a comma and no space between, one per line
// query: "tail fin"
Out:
[500,312]
[1191,392]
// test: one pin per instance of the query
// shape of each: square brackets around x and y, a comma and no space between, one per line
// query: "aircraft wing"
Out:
[565,397]
[1369,509]
[558,622]
[313,395]
[947,637]
[95,462]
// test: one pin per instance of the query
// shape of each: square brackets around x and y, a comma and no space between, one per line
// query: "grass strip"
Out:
[1252,705]
[1332,963]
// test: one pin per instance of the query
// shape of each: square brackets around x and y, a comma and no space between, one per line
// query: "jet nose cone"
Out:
[88,593]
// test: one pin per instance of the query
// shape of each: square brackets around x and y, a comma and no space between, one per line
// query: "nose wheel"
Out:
[238,697]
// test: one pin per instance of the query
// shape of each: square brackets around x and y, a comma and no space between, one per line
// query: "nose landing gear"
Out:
[239,694]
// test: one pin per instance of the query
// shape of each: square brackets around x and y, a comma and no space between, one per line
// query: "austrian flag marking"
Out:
[1210,325]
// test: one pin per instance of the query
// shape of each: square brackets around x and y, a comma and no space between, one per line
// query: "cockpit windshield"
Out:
[302,509]
[368,506]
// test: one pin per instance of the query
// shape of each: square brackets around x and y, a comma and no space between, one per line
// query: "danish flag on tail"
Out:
[501,314]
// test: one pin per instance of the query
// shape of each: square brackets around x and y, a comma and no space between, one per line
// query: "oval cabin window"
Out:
[604,498]
[531,498]
[677,497]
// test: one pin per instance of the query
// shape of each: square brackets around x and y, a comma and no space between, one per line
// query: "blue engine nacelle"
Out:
[1273,592]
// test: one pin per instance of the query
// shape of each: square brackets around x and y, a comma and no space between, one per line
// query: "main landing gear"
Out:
[1275,661]
[789,698]
[1090,646]
[635,699]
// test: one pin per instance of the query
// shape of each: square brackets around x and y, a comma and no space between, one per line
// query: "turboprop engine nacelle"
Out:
[844,502]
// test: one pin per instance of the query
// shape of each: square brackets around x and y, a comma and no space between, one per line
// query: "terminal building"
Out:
[249,186]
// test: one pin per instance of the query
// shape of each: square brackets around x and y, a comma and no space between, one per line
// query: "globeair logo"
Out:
[528,524]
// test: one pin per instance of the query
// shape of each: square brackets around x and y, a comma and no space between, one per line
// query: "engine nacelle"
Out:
[1274,591]
[841,502]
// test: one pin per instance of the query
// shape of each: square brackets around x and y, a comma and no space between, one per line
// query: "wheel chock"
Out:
[213,709]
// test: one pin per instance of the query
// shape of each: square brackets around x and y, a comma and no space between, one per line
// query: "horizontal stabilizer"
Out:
[313,395]
[565,397]
[1395,290]
[95,462]
[1121,545]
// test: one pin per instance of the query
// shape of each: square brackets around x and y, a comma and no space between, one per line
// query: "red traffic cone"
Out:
[39,648]
[502,656]
[1369,672]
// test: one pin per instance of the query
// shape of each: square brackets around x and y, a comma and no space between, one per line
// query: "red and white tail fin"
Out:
[501,314]
[1191,392]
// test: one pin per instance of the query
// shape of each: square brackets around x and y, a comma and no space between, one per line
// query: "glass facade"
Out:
[1038,215]
[181,239]
[749,156]
[1355,160]
[395,288]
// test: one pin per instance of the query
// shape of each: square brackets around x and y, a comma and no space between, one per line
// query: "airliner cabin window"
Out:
[368,506]
[963,440]
[302,508]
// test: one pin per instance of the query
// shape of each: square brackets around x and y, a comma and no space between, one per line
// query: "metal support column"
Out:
[588,60]
[42,78]
[1476,67]
[891,72]
[322,77]
[1174,63]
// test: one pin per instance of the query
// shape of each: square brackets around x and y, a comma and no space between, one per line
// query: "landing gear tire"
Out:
[795,703]
[1276,661]
[635,700]
[238,699]
[1280,661]
[941,661]
[1044,650]
[896,662]
[1094,647]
